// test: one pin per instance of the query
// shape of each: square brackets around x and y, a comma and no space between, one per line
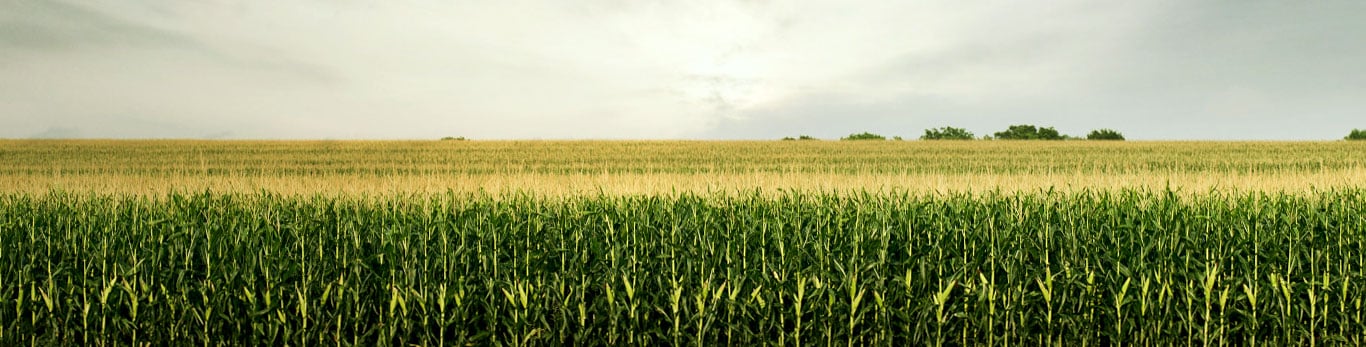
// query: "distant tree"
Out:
[451,138]
[1357,134]
[1105,134]
[864,136]
[789,138]
[947,133]
[1049,133]
[1029,132]
[1018,132]
[806,137]
[896,138]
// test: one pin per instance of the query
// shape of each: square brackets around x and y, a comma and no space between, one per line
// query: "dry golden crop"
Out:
[650,167]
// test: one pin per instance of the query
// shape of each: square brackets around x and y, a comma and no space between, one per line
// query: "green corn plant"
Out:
[870,268]
[940,301]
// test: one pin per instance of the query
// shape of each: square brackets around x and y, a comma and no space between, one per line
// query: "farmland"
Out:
[681,243]
[652,167]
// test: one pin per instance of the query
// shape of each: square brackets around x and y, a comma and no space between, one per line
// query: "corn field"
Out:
[660,167]
[1108,267]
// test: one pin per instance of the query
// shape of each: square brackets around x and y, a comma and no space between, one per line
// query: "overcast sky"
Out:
[514,69]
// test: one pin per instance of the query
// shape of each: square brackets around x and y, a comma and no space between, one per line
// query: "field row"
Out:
[302,158]
[557,167]
[1107,267]
[652,184]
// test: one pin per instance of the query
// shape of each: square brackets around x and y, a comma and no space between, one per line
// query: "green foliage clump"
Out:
[799,138]
[451,138]
[1105,134]
[1029,132]
[947,133]
[1357,134]
[864,136]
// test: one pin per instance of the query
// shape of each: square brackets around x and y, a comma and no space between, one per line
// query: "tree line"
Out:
[1016,132]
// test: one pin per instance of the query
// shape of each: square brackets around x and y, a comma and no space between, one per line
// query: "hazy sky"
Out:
[695,69]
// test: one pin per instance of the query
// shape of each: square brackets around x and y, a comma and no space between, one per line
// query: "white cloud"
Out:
[649,69]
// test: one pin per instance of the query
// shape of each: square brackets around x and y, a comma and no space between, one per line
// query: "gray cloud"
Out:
[54,25]
[704,69]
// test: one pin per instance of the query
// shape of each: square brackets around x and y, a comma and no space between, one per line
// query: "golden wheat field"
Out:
[651,167]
